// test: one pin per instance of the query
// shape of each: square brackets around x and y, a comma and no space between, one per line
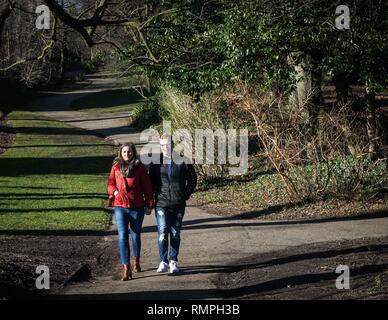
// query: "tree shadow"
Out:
[236,267]
[11,167]
[274,209]
[51,196]
[188,294]
[59,233]
[58,145]
[218,182]
[56,209]
[84,118]
[29,187]
[230,222]
[298,280]
[115,130]
[102,133]
[51,131]
[107,99]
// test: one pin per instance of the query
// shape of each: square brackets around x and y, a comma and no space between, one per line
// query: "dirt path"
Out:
[113,126]
[209,243]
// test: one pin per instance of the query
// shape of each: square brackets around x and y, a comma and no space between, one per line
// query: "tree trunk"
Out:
[303,86]
[371,123]
[62,35]
[315,101]
[341,83]
[314,106]
[307,97]
[5,12]
[148,85]
[61,65]
[353,148]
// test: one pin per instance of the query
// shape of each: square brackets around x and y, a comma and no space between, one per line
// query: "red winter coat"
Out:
[139,188]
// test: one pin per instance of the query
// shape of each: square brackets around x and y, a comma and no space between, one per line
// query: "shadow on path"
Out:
[267,286]
[232,222]
[279,261]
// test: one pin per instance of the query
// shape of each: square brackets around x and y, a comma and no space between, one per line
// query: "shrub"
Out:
[331,159]
[92,65]
[186,113]
[147,114]
[344,177]
[359,176]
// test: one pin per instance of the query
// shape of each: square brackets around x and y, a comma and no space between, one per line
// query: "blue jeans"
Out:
[169,222]
[134,217]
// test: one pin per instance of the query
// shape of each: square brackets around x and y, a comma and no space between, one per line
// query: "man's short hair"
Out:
[166,136]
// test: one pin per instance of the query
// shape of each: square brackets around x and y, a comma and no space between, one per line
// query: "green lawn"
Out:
[53,177]
[118,100]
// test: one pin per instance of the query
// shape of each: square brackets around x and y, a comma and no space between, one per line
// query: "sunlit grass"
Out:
[53,177]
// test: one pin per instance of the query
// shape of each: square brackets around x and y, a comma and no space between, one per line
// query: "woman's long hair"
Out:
[127,166]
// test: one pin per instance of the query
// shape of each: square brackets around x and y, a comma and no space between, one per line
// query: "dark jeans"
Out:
[134,217]
[169,223]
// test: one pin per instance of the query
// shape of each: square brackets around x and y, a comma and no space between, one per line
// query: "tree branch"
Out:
[46,48]
[69,20]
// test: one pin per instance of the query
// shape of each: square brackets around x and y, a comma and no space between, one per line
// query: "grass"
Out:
[264,190]
[119,100]
[53,177]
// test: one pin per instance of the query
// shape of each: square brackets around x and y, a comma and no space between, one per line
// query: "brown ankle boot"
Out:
[135,264]
[126,273]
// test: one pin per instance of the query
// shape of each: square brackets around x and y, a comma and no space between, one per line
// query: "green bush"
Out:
[344,177]
[74,62]
[359,176]
[92,65]
[146,114]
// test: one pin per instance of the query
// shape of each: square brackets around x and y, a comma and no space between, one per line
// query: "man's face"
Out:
[165,147]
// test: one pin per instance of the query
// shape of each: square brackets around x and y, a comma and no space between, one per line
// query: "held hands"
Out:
[147,211]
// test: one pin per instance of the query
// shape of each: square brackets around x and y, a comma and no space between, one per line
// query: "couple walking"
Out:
[166,187]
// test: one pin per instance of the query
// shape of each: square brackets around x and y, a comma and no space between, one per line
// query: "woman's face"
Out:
[126,153]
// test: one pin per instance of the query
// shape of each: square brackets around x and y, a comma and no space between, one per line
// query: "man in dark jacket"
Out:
[173,184]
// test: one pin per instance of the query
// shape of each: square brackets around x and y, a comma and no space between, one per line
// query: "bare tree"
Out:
[94,21]
[5,12]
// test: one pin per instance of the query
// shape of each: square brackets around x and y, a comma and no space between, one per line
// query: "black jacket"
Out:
[174,191]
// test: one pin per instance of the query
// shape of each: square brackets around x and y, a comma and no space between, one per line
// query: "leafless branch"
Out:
[44,51]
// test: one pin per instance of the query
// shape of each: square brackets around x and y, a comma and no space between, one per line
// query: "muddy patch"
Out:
[309,272]
[69,259]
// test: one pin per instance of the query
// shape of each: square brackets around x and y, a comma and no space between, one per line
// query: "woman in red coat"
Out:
[130,185]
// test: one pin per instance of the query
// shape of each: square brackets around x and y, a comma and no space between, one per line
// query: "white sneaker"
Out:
[174,266]
[163,267]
